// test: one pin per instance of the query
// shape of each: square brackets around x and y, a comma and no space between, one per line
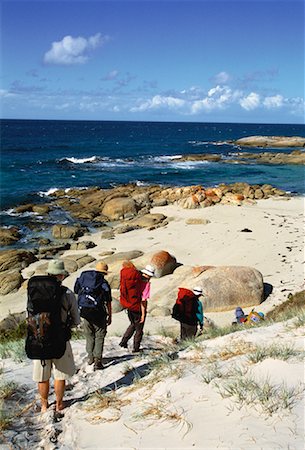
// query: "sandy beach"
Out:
[184,402]
[274,245]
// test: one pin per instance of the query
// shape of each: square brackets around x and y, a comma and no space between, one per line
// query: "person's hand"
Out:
[142,319]
[109,320]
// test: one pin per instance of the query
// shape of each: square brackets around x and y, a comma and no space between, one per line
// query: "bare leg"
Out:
[59,388]
[43,389]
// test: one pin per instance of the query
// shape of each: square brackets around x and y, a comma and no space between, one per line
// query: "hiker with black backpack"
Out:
[52,312]
[134,294]
[188,311]
[94,302]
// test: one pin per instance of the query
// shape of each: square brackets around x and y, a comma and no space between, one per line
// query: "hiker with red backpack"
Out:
[94,302]
[188,311]
[134,294]
[52,312]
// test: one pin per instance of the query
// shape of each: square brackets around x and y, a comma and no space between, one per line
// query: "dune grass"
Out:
[275,351]
[14,349]
[250,392]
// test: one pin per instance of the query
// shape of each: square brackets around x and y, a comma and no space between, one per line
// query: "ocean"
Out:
[40,156]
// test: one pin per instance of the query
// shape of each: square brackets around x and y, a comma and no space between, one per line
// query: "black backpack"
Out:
[93,292]
[46,334]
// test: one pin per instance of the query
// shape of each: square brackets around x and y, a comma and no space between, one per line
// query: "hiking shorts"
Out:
[63,368]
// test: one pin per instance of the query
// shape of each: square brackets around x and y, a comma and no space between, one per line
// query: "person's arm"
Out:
[199,314]
[109,312]
[145,297]
[73,308]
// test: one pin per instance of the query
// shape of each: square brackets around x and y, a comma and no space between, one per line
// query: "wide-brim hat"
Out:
[198,290]
[148,270]
[57,267]
[102,267]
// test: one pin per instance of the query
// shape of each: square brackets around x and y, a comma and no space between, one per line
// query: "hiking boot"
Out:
[98,365]
[123,345]
[90,360]
[137,350]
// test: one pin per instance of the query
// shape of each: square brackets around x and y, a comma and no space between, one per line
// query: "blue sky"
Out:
[198,61]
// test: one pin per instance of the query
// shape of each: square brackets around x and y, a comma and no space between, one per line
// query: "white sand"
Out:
[173,408]
[275,247]
[186,412]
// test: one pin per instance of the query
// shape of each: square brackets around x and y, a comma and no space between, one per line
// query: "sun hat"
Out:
[102,267]
[56,267]
[197,290]
[148,270]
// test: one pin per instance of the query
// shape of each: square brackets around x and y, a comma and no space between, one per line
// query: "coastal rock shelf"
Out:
[271,141]
[296,157]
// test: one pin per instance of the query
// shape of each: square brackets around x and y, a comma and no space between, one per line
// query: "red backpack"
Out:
[130,288]
[185,307]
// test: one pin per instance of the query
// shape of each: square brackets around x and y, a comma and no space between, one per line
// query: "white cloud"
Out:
[72,50]
[159,101]
[250,102]
[275,101]
[221,78]
[6,94]
[218,98]
[111,75]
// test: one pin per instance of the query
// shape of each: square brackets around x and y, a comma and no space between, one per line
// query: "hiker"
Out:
[134,294]
[254,317]
[52,312]
[94,302]
[188,311]
[240,316]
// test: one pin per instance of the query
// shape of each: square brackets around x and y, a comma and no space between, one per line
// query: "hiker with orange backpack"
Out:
[134,294]
[188,311]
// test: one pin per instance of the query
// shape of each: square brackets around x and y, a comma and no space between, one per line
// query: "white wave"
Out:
[188,165]
[12,213]
[166,158]
[47,193]
[141,183]
[79,160]
[81,188]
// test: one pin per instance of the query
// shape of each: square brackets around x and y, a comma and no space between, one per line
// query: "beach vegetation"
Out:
[293,307]
[164,410]
[5,419]
[239,348]
[250,392]
[13,334]
[167,332]
[275,351]
[13,349]
[7,389]
[110,401]
[211,372]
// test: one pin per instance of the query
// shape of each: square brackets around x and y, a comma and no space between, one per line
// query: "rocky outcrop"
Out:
[9,236]
[120,208]
[15,259]
[10,281]
[149,221]
[296,157]
[164,263]
[72,263]
[82,245]
[12,321]
[226,287]
[67,232]
[271,141]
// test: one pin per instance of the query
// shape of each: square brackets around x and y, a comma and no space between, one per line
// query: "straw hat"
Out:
[102,267]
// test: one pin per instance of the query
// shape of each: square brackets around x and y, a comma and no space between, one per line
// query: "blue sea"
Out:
[40,156]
